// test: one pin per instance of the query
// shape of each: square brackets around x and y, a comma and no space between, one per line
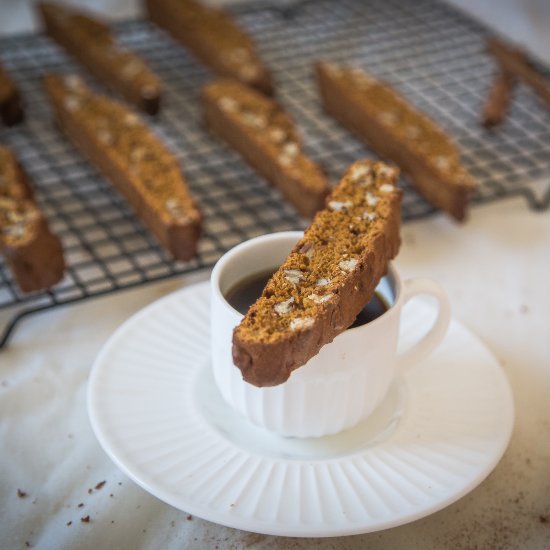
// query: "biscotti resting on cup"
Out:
[326,280]
[214,38]
[265,136]
[136,162]
[90,42]
[32,252]
[11,111]
[398,132]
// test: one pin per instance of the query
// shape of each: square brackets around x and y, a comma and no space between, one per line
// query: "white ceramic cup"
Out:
[345,382]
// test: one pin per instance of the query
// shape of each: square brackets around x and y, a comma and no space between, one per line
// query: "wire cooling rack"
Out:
[431,53]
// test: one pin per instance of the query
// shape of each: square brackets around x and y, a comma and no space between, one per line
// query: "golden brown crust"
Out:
[326,280]
[123,148]
[213,37]
[33,253]
[265,136]
[11,110]
[397,131]
[91,43]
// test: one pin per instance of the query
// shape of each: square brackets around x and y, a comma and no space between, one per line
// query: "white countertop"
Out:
[496,269]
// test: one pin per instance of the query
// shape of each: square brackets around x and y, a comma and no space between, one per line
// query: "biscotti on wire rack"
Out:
[397,131]
[137,163]
[32,252]
[90,41]
[266,137]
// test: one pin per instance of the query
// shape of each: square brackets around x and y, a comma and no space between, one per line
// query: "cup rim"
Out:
[227,256]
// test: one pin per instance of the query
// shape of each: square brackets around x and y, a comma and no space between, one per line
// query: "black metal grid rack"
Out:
[431,53]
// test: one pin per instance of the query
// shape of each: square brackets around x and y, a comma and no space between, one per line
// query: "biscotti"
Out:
[397,131]
[327,278]
[11,111]
[498,100]
[136,162]
[212,36]
[32,252]
[514,62]
[91,43]
[265,136]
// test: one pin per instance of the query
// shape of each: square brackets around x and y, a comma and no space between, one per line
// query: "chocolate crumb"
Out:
[544,519]
[189,517]
[90,491]
[100,485]
[69,523]
[111,495]
[81,505]
[27,544]
[85,519]
[21,494]
[120,482]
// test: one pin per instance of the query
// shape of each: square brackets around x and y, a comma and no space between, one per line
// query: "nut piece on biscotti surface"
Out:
[214,38]
[33,253]
[397,131]
[91,43]
[11,111]
[136,162]
[327,278]
[265,136]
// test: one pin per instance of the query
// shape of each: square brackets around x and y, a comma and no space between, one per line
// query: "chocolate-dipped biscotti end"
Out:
[214,38]
[32,252]
[11,110]
[397,131]
[266,137]
[137,163]
[90,41]
[326,280]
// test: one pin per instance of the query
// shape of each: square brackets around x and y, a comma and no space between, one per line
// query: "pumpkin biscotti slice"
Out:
[11,111]
[32,252]
[136,162]
[399,132]
[265,136]
[214,38]
[327,278]
[91,43]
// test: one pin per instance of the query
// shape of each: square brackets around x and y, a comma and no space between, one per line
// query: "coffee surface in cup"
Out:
[246,291]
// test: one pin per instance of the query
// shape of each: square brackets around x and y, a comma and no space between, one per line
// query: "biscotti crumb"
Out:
[327,278]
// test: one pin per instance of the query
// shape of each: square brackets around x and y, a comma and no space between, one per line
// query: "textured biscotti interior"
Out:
[397,131]
[326,280]
[90,41]
[212,35]
[11,111]
[138,164]
[33,254]
[266,137]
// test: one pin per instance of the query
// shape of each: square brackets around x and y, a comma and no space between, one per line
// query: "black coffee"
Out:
[244,293]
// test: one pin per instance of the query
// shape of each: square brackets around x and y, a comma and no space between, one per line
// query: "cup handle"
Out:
[426,344]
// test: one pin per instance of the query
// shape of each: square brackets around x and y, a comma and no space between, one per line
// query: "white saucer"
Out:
[156,411]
